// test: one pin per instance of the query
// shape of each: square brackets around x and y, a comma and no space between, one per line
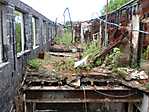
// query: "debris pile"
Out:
[58,73]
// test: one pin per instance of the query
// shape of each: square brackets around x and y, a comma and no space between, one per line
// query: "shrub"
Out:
[34,63]
[91,49]
[65,39]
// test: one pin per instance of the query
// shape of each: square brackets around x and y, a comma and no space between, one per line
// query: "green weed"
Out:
[91,49]
[146,85]
[64,65]
[34,63]
[66,39]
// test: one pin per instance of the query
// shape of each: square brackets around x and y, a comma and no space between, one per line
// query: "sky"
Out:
[79,9]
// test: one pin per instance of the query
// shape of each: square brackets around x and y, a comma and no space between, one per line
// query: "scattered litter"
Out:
[74,50]
[138,75]
[81,62]
[131,74]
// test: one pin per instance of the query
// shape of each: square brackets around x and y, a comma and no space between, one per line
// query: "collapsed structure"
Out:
[133,17]
[102,92]
[25,33]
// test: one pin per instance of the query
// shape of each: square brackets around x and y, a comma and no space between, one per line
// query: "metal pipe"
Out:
[106,27]
[114,24]
[67,9]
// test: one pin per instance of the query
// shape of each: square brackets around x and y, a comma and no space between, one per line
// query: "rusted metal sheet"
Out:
[146,38]
[77,31]
[144,6]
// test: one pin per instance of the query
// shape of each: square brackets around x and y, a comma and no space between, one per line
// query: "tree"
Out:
[113,5]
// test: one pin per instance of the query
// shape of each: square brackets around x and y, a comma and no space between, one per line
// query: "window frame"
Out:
[34,32]
[22,32]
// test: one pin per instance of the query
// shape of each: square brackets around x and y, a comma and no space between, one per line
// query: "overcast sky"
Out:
[79,9]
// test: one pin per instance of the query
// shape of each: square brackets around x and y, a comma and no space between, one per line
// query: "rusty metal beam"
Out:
[68,88]
[64,95]
[75,101]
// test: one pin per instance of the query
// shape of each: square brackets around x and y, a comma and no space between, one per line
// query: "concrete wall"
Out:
[12,68]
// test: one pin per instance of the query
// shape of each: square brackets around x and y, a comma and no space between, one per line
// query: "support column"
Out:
[82,33]
[28,31]
[130,107]
[135,36]
[39,32]
[8,33]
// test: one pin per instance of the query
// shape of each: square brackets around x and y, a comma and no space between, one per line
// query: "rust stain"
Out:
[144,6]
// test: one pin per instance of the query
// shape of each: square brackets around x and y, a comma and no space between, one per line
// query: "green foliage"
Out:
[112,59]
[120,71]
[91,49]
[98,62]
[146,53]
[146,85]
[18,37]
[113,5]
[34,63]
[64,65]
[18,21]
[65,39]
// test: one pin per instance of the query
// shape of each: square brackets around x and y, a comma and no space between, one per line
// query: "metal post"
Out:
[130,107]
[25,106]
[106,26]
[67,9]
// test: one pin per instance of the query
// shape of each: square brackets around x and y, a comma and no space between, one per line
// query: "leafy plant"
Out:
[113,5]
[91,49]
[146,85]
[113,58]
[34,63]
[146,53]
[120,71]
[65,39]
[65,65]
